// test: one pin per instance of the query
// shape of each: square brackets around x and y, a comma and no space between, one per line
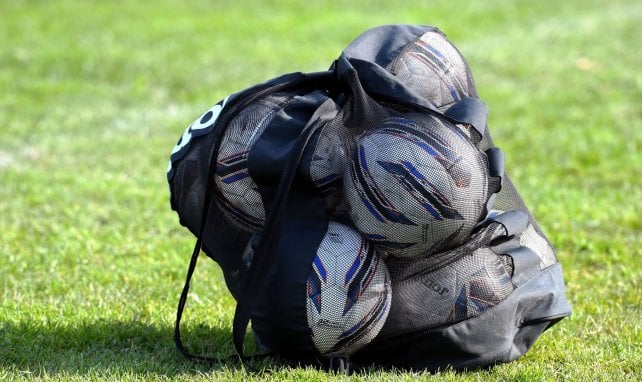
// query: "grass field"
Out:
[93,96]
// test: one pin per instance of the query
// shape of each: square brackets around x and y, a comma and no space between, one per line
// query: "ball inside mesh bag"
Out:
[348,292]
[432,67]
[239,196]
[462,289]
[416,185]
[328,164]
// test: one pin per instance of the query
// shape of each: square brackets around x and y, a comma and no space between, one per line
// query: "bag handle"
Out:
[376,80]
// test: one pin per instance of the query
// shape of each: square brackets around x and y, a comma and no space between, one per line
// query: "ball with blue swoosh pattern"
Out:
[416,185]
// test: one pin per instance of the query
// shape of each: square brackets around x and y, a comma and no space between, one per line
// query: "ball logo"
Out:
[324,322]
[435,287]
[335,237]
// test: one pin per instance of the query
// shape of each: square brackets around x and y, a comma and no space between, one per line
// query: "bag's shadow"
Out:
[113,346]
[126,347]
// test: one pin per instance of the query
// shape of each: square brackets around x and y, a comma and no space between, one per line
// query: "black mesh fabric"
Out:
[328,163]
[371,193]
[507,291]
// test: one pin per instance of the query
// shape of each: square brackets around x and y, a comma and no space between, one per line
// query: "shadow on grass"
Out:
[128,348]
[110,347]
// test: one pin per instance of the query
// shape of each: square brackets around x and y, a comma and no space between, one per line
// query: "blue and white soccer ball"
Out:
[348,291]
[416,185]
[239,195]
[434,69]
[238,192]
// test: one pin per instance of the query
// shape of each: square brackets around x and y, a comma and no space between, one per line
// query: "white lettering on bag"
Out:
[206,121]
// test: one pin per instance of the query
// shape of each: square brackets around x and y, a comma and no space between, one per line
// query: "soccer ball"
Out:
[238,193]
[239,196]
[416,185]
[434,69]
[348,292]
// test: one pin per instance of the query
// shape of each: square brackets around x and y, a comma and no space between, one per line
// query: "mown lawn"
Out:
[93,96]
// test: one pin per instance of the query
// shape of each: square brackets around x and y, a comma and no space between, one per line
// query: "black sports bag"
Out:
[362,215]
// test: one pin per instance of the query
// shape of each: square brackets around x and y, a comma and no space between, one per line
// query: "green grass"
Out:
[93,96]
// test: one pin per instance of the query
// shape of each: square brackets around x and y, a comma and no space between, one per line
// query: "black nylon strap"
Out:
[495,162]
[514,222]
[265,253]
[215,141]
[471,111]
[281,83]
